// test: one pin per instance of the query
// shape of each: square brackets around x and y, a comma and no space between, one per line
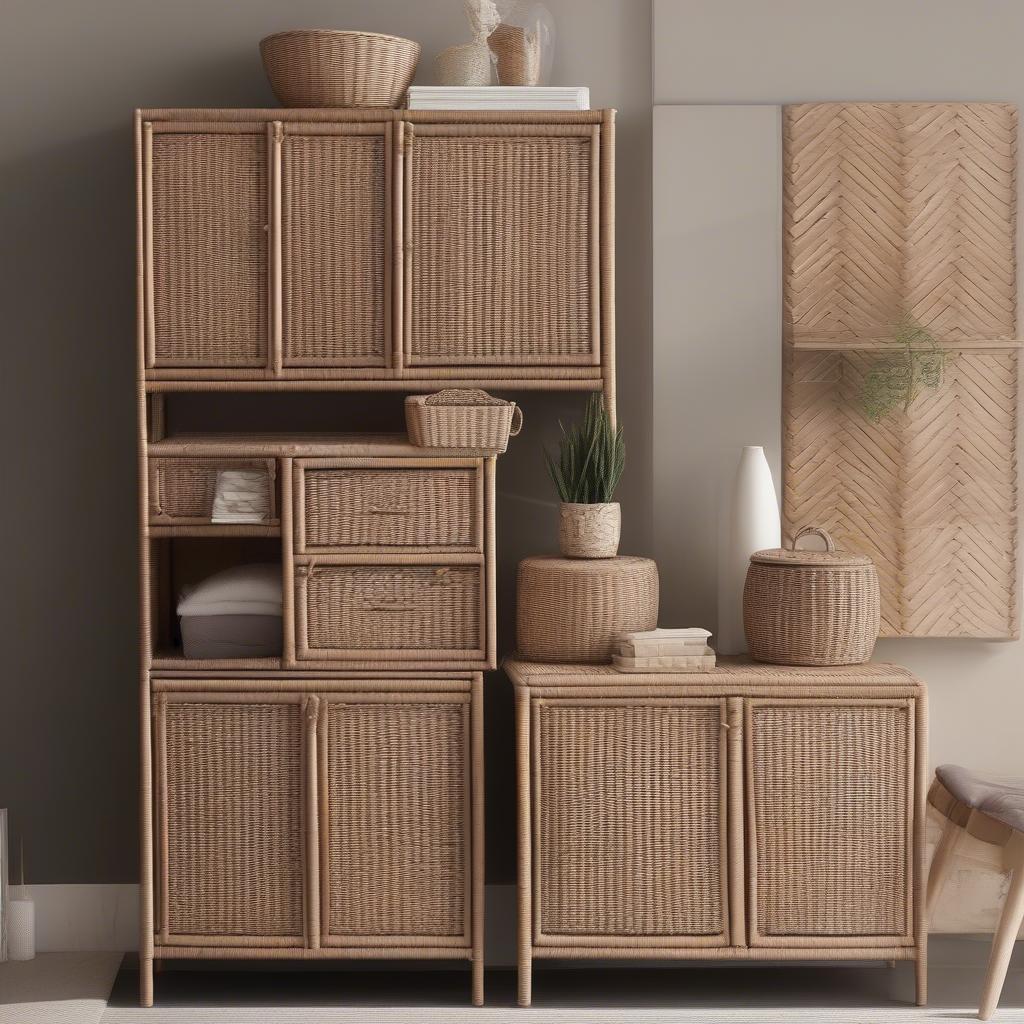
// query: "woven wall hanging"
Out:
[900,352]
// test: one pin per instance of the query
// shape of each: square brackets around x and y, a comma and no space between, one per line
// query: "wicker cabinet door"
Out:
[501,245]
[830,797]
[335,247]
[231,788]
[395,828]
[629,809]
[206,227]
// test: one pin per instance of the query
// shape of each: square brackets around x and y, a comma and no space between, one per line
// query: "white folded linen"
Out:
[241,590]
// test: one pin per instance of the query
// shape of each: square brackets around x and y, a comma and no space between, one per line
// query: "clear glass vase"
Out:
[523,44]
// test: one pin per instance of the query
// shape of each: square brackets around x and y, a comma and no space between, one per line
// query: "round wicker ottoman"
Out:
[571,609]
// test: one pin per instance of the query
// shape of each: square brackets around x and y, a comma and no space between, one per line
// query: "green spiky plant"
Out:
[591,458]
[896,380]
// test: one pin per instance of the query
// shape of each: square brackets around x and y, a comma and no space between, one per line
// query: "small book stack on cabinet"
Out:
[328,803]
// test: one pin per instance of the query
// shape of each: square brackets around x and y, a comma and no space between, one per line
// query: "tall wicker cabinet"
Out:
[328,803]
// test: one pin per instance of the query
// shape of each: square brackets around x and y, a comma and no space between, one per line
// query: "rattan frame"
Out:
[595,373]
[739,684]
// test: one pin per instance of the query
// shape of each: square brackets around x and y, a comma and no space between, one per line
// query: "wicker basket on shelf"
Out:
[811,607]
[462,418]
[327,68]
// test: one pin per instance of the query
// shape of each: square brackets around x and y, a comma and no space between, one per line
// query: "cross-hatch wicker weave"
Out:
[830,797]
[183,490]
[573,609]
[893,208]
[209,249]
[628,819]
[333,250]
[391,508]
[500,245]
[233,791]
[407,607]
[397,819]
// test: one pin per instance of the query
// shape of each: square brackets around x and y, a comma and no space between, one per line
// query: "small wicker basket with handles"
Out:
[462,418]
[811,607]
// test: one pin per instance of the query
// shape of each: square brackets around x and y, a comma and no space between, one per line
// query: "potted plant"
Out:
[592,455]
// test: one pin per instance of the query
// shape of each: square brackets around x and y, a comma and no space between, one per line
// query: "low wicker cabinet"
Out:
[754,812]
[319,818]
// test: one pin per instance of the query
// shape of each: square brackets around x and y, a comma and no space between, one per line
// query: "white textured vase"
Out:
[751,522]
[589,531]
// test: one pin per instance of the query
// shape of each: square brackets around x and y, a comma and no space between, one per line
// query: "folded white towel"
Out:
[241,590]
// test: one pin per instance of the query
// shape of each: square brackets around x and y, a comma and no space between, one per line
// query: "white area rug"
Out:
[57,988]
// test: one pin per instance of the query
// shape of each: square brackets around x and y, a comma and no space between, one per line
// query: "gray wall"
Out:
[71,74]
[750,52]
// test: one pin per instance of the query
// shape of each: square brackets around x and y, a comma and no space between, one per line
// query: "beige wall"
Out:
[71,74]
[750,52]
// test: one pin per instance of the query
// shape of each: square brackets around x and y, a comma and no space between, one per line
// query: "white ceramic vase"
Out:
[589,531]
[751,522]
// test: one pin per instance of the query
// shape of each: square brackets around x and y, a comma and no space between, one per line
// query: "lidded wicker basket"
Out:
[811,607]
[462,418]
[328,68]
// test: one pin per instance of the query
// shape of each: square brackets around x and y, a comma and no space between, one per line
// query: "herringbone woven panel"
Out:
[893,209]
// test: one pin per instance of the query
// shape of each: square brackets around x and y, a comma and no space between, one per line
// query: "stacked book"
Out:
[498,97]
[665,650]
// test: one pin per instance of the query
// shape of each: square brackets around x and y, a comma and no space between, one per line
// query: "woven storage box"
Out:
[459,418]
[326,68]
[811,607]
[182,491]
[572,610]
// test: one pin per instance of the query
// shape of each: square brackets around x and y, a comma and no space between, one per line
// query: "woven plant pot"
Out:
[589,531]
[469,64]
[811,607]
[572,610]
[326,68]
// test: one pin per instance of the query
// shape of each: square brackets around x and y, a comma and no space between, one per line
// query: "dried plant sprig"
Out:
[591,458]
[483,18]
[897,380]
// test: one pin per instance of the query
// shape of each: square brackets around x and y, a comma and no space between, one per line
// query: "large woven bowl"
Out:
[328,68]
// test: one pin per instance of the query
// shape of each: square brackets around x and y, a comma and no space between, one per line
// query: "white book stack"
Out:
[498,97]
[665,650]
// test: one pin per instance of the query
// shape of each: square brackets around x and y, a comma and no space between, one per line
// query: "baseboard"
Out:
[105,917]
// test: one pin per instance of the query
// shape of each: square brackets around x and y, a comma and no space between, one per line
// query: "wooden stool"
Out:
[992,810]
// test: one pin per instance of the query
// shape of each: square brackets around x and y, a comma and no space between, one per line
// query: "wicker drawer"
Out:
[181,491]
[206,217]
[501,245]
[225,763]
[830,801]
[383,507]
[630,822]
[390,612]
[395,782]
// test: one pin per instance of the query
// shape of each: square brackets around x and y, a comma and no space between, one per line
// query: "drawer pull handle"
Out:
[377,510]
[404,608]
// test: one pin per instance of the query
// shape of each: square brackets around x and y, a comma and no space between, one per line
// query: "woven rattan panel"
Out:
[829,792]
[333,250]
[402,607]
[209,212]
[233,795]
[390,508]
[893,210]
[628,820]
[397,778]
[499,260]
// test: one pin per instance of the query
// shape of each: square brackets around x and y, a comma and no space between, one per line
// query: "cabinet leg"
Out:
[921,977]
[525,980]
[478,980]
[146,981]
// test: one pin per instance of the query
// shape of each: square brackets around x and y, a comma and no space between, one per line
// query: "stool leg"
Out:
[942,861]
[1002,944]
